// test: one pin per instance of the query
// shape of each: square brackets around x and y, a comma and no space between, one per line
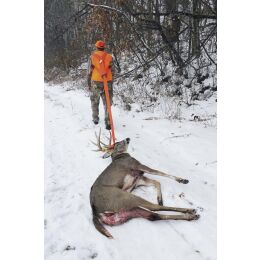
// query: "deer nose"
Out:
[127,140]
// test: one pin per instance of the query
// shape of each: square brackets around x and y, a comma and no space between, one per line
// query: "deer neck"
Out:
[119,156]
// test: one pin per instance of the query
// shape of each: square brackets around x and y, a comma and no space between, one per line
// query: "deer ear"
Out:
[106,155]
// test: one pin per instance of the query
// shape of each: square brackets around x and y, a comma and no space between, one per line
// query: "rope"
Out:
[109,110]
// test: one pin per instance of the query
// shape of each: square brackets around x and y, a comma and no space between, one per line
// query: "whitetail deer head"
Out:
[109,149]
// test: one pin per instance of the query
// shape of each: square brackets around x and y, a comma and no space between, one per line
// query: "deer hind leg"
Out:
[117,218]
[152,216]
[140,202]
[113,219]
[155,207]
[144,181]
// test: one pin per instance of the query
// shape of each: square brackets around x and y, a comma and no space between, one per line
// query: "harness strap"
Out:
[101,60]
[109,111]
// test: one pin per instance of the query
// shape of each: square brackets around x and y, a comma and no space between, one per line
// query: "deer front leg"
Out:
[144,181]
[148,170]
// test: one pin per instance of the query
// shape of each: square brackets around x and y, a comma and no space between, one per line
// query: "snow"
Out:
[184,148]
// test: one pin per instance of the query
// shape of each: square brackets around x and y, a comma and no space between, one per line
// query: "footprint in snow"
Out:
[68,248]
[200,209]
[93,255]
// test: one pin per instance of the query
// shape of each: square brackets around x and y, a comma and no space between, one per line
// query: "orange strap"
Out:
[109,110]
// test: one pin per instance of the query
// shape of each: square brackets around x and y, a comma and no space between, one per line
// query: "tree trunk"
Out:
[195,30]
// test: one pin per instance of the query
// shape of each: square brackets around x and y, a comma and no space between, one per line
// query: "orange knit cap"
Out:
[100,44]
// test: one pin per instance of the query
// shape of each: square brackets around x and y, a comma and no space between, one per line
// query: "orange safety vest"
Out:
[101,61]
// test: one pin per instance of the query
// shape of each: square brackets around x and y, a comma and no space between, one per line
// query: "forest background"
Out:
[170,45]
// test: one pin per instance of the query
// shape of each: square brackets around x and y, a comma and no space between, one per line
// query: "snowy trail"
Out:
[71,167]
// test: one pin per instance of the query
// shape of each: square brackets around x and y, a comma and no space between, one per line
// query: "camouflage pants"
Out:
[97,91]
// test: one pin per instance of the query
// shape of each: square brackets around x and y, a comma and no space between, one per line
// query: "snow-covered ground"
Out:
[183,148]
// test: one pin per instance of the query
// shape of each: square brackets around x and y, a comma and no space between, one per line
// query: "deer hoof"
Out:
[192,211]
[195,217]
[160,201]
[184,181]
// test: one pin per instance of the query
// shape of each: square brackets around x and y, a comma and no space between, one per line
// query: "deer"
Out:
[111,199]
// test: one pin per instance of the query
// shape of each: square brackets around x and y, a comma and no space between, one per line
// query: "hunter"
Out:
[100,66]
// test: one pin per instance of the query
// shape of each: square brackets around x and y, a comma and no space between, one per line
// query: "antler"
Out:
[105,147]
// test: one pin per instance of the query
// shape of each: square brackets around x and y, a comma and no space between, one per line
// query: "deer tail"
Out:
[98,225]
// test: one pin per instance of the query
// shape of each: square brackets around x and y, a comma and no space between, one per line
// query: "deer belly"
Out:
[129,182]
[112,219]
